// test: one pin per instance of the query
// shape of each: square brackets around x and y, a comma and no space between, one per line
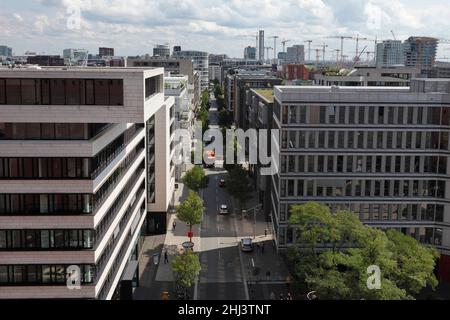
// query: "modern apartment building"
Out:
[294,72]
[215,72]
[295,54]
[5,51]
[200,61]
[420,52]
[380,152]
[389,53]
[237,89]
[85,172]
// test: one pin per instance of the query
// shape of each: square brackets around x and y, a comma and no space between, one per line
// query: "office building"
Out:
[380,152]
[439,70]
[250,53]
[105,52]
[46,61]
[172,66]
[85,172]
[5,51]
[261,48]
[74,56]
[217,58]
[295,54]
[200,61]
[389,53]
[161,51]
[362,76]
[420,52]
[215,72]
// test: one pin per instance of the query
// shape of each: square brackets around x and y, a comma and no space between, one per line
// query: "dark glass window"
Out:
[101,92]
[116,92]
[28,91]
[2,91]
[57,92]
[90,96]
[45,91]
[73,92]
[13,91]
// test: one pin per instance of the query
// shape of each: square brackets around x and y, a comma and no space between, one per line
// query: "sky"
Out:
[133,27]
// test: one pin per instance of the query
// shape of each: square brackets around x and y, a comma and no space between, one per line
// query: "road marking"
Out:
[244,275]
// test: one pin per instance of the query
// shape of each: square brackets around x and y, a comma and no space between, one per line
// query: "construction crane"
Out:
[393,34]
[323,46]
[317,56]
[342,43]
[358,58]
[274,48]
[368,55]
[309,49]
[357,39]
[337,55]
[284,44]
[267,52]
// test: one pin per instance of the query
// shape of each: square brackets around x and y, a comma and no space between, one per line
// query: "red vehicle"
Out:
[222,183]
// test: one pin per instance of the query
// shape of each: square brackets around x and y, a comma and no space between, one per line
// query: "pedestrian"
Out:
[272,296]
[262,247]
[174,224]
[265,232]
[281,296]
[257,246]
[166,257]
[289,296]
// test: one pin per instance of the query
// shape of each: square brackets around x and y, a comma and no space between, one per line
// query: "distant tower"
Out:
[261,45]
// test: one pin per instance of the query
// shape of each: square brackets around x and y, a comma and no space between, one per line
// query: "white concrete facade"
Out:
[118,207]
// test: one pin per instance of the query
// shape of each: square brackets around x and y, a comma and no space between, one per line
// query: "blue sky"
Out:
[216,26]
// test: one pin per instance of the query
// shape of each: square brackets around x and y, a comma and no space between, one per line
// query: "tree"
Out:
[225,118]
[195,179]
[186,268]
[191,210]
[341,272]
[238,185]
[205,99]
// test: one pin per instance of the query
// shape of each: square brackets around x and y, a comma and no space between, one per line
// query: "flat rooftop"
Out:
[267,94]
[77,69]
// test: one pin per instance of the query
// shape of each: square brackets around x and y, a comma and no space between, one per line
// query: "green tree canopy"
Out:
[341,270]
[186,268]
[238,185]
[191,210]
[195,179]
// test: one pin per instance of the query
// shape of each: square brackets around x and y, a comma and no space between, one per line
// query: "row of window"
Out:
[151,160]
[50,131]
[43,274]
[117,175]
[431,236]
[45,203]
[362,188]
[297,139]
[46,239]
[363,164]
[61,92]
[365,115]
[45,168]
[368,212]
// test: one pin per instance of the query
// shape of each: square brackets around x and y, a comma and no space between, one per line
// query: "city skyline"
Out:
[216,27]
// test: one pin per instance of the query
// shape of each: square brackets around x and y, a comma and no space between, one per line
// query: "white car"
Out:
[223,209]
[247,244]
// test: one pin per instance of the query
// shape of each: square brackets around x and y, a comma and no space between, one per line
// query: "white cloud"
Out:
[133,26]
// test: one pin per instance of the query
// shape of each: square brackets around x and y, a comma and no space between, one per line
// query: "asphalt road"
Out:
[221,277]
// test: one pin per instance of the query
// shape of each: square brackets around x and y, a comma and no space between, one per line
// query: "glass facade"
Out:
[61,92]
[50,131]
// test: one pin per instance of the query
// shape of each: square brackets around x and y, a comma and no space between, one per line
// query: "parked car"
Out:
[247,244]
[222,183]
[223,209]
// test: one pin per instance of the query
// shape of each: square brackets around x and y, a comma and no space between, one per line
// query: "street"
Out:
[227,272]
